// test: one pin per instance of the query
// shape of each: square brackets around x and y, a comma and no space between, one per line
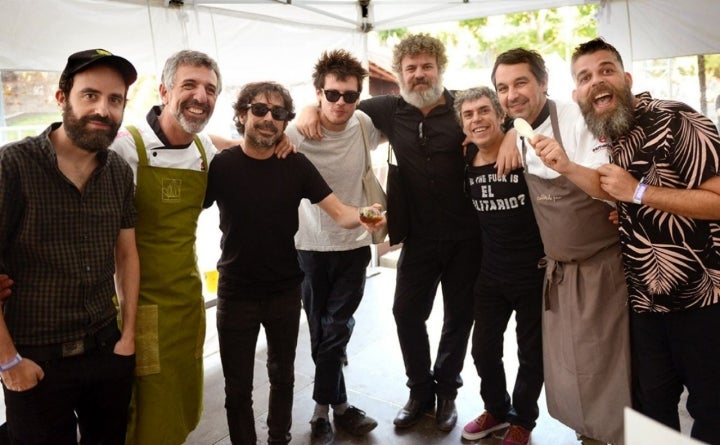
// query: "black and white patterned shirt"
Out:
[57,243]
[671,262]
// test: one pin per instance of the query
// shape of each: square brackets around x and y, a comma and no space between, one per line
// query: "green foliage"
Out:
[547,30]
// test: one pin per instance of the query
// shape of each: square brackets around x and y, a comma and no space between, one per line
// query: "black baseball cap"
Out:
[83,60]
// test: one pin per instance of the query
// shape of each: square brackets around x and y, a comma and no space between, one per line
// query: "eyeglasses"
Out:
[334,95]
[277,113]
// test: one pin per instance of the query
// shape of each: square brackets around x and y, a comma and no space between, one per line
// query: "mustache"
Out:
[421,81]
[97,118]
[195,103]
[267,126]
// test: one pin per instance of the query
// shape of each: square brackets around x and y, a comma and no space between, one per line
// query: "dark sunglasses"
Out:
[334,95]
[277,113]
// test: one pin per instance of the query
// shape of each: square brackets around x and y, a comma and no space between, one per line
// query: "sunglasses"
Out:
[277,113]
[334,95]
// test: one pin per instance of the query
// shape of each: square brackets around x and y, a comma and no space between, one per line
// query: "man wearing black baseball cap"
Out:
[83,60]
[67,237]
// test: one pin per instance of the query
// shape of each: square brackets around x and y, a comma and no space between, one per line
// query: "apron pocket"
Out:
[147,342]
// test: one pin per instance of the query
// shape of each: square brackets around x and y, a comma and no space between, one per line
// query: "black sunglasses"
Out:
[277,113]
[334,95]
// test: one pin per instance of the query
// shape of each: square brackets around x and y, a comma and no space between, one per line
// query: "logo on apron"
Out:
[171,189]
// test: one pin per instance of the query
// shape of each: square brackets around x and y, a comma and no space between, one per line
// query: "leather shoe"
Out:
[412,412]
[446,415]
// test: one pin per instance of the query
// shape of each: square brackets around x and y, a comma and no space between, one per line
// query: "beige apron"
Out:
[586,340]
[167,397]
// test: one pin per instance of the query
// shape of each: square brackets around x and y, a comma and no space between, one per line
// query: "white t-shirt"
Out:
[340,159]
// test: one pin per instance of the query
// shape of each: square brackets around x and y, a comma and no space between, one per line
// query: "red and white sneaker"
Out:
[516,435]
[482,427]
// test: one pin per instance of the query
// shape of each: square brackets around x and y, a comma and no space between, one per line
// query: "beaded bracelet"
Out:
[13,362]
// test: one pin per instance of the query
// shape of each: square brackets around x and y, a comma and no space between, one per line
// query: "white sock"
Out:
[340,408]
[321,411]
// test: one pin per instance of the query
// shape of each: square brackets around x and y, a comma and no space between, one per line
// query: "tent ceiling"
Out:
[366,15]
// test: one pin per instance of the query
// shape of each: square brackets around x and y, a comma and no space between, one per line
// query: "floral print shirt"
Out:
[671,262]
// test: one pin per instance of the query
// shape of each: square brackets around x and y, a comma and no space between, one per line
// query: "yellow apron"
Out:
[167,395]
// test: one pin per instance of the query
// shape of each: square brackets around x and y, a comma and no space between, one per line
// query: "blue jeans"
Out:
[89,392]
[331,292]
[675,349]
[424,264]
[495,302]
[238,322]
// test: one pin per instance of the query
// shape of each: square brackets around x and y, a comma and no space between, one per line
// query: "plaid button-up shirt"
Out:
[57,243]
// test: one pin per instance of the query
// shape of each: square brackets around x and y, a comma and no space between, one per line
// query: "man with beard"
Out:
[67,239]
[170,157]
[333,259]
[443,237]
[258,197]
[586,345]
[664,175]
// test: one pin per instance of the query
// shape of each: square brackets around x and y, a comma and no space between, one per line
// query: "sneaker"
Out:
[321,432]
[482,426]
[516,435]
[355,421]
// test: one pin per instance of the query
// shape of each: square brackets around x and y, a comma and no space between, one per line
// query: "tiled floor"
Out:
[376,383]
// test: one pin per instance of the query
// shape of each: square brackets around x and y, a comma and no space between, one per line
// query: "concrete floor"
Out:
[375,379]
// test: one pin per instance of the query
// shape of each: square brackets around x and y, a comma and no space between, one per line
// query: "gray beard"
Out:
[424,99]
[188,126]
[612,126]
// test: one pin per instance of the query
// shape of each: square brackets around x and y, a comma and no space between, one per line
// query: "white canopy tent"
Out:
[280,39]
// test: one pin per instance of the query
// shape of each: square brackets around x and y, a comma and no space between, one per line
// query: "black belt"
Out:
[107,335]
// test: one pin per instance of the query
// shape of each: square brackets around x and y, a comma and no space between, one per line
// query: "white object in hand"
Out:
[523,128]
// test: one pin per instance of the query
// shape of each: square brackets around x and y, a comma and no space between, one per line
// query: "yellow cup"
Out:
[211,280]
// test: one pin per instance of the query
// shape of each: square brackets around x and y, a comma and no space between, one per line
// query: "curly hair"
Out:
[341,64]
[521,55]
[415,44]
[251,90]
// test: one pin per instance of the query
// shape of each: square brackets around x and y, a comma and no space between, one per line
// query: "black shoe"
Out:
[355,422]
[412,412]
[446,415]
[321,432]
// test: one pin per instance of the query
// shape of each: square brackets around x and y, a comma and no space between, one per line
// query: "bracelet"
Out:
[639,192]
[11,364]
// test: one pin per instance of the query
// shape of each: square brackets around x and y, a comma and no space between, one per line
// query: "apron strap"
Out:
[142,153]
[139,145]
[555,128]
[555,124]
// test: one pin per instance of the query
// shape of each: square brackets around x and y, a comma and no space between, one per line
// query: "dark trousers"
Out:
[675,349]
[424,264]
[88,392]
[495,302]
[331,292]
[238,324]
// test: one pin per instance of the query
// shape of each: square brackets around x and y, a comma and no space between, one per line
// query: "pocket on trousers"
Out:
[147,341]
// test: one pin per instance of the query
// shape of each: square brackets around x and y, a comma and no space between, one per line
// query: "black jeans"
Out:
[331,292]
[89,392]
[675,349]
[495,302]
[424,264]
[238,324]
